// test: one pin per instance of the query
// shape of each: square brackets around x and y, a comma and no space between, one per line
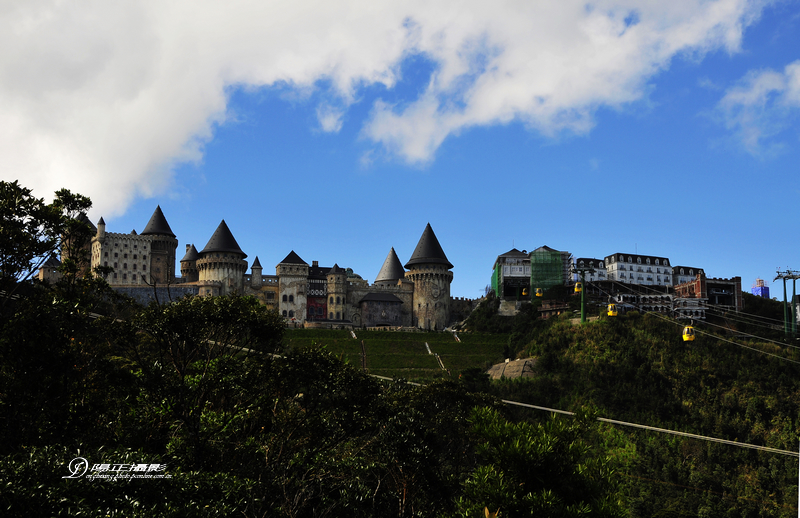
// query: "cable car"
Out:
[539,292]
[578,287]
[524,292]
[612,310]
[688,334]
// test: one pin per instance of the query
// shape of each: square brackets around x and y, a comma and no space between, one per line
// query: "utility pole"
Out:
[582,272]
[793,275]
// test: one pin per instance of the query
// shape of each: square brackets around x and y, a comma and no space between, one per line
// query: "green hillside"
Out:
[404,355]
[638,369]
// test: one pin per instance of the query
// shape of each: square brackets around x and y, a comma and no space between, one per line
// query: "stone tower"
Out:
[337,292]
[222,261]
[162,248]
[429,270]
[189,265]
[256,277]
[293,280]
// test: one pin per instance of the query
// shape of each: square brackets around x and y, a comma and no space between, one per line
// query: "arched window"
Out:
[291,298]
[648,260]
[682,271]
[291,314]
[338,316]
[338,300]
[691,272]
[656,262]
[630,259]
[639,260]
[285,298]
[331,302]
[284,311]
[330,316]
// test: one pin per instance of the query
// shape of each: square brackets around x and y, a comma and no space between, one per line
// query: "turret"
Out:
[337,293]
[255,275]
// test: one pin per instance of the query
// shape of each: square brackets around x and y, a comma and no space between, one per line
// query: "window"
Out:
[135,246]
[124,256]
[338,300]
[126,245]
[656,262]
[285,298]
[133,277]
[639,260]
[116,254]
[337,316]
[648,260]
[331,302]
[270,295]
[124,266]
[105,254]
[134,266]
[115,265]
[134,256]
[115,275]
[144,267]
[291,314]
[144,257]
[291,298]
[124,275]
[330,316]
[284,312]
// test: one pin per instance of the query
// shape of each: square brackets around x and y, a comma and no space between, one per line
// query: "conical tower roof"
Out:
[293,258]
[223,241]
[392,268]
[157,224]
[336,269]
[191,254]
[428,250]
[256,263]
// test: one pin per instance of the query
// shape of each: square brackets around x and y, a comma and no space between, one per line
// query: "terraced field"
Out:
[404,355]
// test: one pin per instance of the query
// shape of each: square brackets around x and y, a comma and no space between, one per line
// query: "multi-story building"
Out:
[596,269]
[645,270]
[511,275]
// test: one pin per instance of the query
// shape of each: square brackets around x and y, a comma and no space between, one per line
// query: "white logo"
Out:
[77,467]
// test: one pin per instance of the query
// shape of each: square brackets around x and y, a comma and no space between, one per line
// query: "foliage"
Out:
[32,230]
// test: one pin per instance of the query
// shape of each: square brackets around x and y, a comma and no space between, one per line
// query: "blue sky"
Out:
[340,131]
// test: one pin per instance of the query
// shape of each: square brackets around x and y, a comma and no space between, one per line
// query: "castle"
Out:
[416,295]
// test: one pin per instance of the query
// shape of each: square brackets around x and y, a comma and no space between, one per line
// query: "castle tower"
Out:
[189,265]
[255,274]
[292,285]
[429,270]
[391,271]
[101,230]
[222,261]
[162,248]
[337,293]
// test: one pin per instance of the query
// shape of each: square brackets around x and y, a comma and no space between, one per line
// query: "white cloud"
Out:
[761,105]
[104,97]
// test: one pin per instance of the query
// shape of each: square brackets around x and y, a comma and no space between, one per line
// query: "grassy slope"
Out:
[403,355]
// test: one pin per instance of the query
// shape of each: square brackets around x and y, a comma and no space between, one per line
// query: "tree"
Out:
[32,230]
[198,361]
[544,469]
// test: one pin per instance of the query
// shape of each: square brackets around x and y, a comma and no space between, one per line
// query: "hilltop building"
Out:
[645,270]
[416,295]
[511,275]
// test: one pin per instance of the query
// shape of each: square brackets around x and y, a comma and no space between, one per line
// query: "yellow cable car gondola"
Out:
[524,292]
[539,292]
[688,334]
[612,310]
[578,287]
